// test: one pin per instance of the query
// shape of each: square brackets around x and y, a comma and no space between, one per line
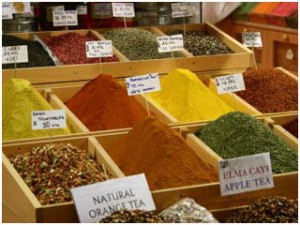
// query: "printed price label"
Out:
[15,54]
[252,39]
[48,119]
[170,43]
[230,83]
[123,10]
[181,10]
[143,84]
[97,49]
[245,174]
[97,201]
[6,11]
[65,18]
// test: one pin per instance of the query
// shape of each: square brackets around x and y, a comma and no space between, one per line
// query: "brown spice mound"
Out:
[292,127]
[103,104]
[270,90]
[155,149]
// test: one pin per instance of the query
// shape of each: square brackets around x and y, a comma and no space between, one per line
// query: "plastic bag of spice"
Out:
[187,211]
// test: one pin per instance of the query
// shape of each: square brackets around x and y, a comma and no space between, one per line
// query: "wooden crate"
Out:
[21,205]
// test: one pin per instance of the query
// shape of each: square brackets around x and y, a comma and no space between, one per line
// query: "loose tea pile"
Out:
[135,216]
[268,210]
[37,55]
[292,127]
[137,44]
[103,104]
[186,98]
[19,99]
[162,154]
[237,134]
[70,49]
[270,90]
[50,171]
[202,43]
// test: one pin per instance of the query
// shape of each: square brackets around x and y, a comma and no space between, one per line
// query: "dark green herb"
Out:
[237,134]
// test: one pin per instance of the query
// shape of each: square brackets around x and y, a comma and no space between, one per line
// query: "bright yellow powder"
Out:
[19,99]
[186,98]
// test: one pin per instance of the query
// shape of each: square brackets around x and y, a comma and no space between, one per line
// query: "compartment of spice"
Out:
[41,173]
[69,46]
[37,55]
[103,104]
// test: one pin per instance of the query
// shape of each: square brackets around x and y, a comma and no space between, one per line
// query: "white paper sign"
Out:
[81,9]
[245,174]
[14,54]
[123,10]
[48,119]
[97,49]
[170,43]
[97,201]
[252,39]
[143,84]
[65,18]
[6,11]
[181,10]
[230,83]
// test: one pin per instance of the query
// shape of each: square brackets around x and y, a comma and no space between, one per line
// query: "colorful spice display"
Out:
[292,127]
[162,154]
[268,210]
[37,55]
[202,43]
[186,98]
[52,170]
[19,99]
[237,134]
[70,49]
[103,104]
[270,90]
[137,44]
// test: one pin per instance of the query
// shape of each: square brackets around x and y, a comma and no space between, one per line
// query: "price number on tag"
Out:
[252,39]
[15,54]
[143,84]
[170,43]
[230,83]
[123,10]
[97,49]
[48,119]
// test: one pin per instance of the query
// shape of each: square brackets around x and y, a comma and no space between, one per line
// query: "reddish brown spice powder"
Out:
[103,104]
[292,127]
[270,90]
[70,49]
[157,150]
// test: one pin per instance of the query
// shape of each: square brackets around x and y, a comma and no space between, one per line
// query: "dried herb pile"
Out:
[202,43]
[267,210]
[37,55]
[237,134]
[70,49]
[292,127]
[137,44]
[270,90]
[52,170]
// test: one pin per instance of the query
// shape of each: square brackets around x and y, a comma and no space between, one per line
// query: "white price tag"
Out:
[97,49]
[170,43]
[96,201]
[245,174]
[123,10]
[48,119]
[230,83]
[14,54]
[252,39]
[6,11]
[183,9]
[143,84]
[65,18]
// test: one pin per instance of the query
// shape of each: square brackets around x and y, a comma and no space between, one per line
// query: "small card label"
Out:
[143,84]
[14,54]
[48,119]
[81,9]
[182,10]
[97,49]
[252,39]
[123,10]
[245,174]
[230,83]
[6,11]
[96,201]
[65,18]
[170,43]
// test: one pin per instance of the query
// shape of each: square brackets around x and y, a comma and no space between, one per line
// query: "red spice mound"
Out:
[70,49]
[292,127]
[270,90]
[103,104]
